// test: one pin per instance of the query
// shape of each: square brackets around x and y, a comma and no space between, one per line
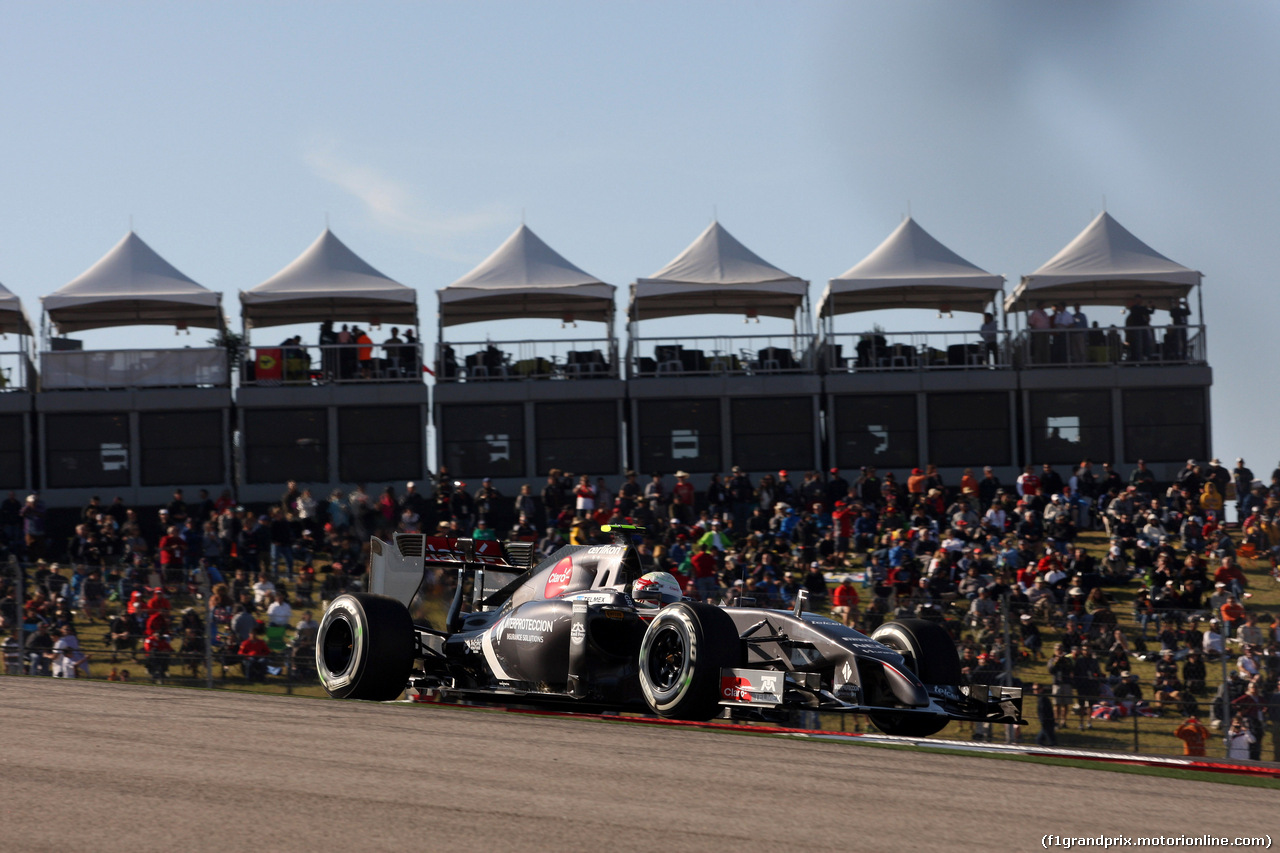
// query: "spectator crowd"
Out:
[1062,580]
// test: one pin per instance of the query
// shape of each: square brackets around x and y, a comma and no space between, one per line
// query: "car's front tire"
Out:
[930,653]
[365,647]
[681,655]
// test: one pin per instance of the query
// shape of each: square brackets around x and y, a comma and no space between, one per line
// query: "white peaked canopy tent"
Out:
[13,320]
[328,282]
[132,286]
[911,269]
[718,275]
[525,277]
[1105,265]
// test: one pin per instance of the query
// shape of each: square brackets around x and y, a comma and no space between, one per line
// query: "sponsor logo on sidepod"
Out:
[559,578]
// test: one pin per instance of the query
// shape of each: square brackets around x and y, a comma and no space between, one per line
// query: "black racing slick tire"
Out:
[683,650]
[365,647]
[930,653]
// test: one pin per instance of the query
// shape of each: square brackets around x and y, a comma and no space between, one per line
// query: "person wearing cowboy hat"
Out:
[1219,475]
[682,498]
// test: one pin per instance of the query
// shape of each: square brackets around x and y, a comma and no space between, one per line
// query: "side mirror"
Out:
[802,599]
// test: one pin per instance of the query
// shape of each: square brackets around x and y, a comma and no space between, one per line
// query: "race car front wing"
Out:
[760,689]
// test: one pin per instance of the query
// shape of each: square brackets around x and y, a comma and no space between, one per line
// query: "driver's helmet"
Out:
[668,588]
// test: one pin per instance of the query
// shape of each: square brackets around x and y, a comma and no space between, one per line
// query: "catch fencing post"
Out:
[1008,662]
[1136,747]
[20,608]
[1224,710]
[211,630]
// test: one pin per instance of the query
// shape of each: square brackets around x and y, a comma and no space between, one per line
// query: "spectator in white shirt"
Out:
[279,613]
[263,591]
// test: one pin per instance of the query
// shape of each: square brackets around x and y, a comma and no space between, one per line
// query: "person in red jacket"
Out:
[158,622]
[253,655]
[705,568]
[1229,573]
[844,602]
[1192,735]
[1028,483]
[842,518]
[173,551]
[158,649]
[158,601]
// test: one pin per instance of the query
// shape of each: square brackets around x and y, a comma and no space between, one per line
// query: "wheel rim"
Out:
[667,659]
[339,646]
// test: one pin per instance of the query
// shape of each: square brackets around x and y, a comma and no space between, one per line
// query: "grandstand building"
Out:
[1014,387]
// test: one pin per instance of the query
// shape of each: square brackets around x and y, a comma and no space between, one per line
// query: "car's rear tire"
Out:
[365,647]
[930,653]
[681,655]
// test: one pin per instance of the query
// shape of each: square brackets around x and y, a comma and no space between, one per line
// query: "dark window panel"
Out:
[677,434]
[87,450]
[579,437]
[579,455]
[877,430]
[379,444]
[12,452]
[181,447]
[1067,426]
[772,432]
[286,444]
[969,429]
[1165,424]
[482,441]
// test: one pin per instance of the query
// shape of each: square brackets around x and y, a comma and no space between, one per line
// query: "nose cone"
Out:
[905,686]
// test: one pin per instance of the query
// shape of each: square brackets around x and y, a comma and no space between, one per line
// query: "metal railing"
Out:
[525,360]
[915,351]
[17,372]
[189,367]
[1098,347]
[315,364]
[722,355]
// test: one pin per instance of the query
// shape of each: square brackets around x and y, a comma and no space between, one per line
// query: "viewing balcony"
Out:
[1112,346]
[722,355]
[527,360]
[97,370]
[16,372]
[337,364]
[874,352]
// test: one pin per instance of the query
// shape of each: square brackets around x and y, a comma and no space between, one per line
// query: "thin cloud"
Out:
[394,206]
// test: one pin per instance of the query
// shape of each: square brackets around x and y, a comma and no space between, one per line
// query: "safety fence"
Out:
[1091,705]
[73,627]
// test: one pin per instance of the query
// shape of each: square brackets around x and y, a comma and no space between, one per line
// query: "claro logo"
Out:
[559,578]
[735,689]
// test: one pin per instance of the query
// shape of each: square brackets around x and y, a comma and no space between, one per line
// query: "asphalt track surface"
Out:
[136,768]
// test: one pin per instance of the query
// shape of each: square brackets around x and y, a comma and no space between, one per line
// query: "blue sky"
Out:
[424,131]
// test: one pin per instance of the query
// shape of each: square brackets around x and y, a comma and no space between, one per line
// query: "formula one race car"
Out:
[587,629]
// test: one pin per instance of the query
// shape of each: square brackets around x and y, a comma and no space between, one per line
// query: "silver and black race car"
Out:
[587,628]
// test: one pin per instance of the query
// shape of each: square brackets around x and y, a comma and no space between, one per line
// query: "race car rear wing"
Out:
[397,568]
